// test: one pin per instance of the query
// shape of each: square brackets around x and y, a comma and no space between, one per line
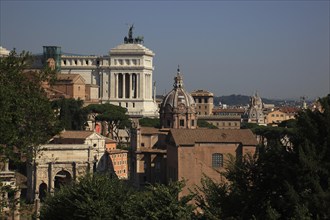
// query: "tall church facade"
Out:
[123,78]
[255,112]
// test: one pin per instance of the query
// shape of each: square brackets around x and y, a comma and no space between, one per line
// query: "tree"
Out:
[113,116]
[205,124]
[70,113]
[100,197]
[92,197]
[27,119]
[161,202]
[281,181]
[150,122]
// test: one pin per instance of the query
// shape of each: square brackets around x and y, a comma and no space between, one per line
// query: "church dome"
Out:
[178,109]
[178,96]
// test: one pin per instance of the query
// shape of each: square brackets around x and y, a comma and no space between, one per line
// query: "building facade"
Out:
[204,101]
[282,114]
[124,77]
[117,159]
[193,153]
[255,113]
[4,52]
[131,83]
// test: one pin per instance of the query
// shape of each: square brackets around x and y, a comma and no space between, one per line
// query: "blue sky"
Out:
[279,48]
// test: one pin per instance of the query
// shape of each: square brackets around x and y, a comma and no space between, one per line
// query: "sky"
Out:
[278,48]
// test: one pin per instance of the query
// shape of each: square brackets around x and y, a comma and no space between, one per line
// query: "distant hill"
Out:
[242,100]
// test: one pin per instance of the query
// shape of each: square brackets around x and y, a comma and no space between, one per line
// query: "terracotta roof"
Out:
[69,78]
[109,140]
[229,110]
[151,130]
[289,109]
[192,136]
[74,134]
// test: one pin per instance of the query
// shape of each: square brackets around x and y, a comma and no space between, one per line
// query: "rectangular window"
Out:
[217,160]
[181,122]
[192,122]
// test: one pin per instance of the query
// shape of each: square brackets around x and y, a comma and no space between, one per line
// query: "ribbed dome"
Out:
[177,96]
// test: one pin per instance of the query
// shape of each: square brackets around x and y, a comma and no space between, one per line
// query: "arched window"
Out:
[217,160]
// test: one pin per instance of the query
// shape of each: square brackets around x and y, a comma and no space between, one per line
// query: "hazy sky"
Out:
[279,48]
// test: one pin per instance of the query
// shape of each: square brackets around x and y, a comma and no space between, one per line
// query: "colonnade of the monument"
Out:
[132,86]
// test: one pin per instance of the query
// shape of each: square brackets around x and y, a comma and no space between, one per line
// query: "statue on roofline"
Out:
[130,40]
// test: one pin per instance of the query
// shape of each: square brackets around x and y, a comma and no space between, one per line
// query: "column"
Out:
[142,85]
[130,86]
[17,204]
[124,83]
[50,178]
[101,85]
[138,85]
[74,170]
[116,86]
[109,85]
[36,187]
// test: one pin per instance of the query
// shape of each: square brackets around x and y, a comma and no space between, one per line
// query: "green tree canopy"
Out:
[100,197]
[161,202]
[70,113]
[150,122]
[93,197]
[281,181]
[114,116]
[205,124]
[27,119]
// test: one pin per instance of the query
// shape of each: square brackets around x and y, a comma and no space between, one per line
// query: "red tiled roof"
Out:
[74,134]
[228,110]
[109,140]
[289,109]
[192,136]
[151,130]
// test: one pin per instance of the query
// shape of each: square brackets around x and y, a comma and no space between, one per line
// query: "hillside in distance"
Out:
[244,100]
